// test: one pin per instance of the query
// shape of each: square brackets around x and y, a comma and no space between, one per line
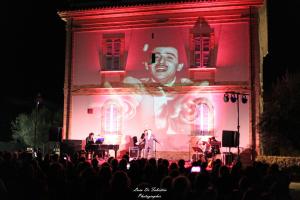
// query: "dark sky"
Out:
[284,39]
[33,44]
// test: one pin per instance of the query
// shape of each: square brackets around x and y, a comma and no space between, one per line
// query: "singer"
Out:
[149,144]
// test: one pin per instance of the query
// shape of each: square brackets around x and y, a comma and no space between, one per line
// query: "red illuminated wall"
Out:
[169,110]
[232,60]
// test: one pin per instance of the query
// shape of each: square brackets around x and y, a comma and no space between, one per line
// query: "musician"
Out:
[149,144]
[89,142]
[205,147]
[212,140]
[215,146]
[141,143]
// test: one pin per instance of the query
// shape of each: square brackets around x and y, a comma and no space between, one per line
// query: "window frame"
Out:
[117,118]
[210,118]
[113,52]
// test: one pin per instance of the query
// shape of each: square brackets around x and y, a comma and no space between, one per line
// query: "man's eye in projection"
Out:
[170,58]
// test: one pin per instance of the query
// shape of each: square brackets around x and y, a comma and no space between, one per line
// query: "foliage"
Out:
[280,122]
[23,128]
[281,161]
[290,165]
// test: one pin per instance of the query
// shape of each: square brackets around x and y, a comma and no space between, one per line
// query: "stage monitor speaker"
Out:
[55,134]
[70,146]
[230,138]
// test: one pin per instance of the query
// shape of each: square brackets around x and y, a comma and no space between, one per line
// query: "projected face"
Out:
[164,69]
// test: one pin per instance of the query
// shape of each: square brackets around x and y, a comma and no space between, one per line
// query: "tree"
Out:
[23,128]
[280,122]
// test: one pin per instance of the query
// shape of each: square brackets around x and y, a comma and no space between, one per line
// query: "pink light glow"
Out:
[201,118]
[173,117]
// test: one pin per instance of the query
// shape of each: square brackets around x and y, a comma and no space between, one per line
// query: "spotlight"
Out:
[226,98]
[244,99]
[233,98]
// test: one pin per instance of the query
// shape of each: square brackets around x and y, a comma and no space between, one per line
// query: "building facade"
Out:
[167,66]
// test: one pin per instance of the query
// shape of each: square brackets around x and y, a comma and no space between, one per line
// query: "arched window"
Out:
[111,118]
[205,117]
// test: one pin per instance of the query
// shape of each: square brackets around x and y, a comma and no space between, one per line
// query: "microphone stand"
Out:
[155,141]
[155,149]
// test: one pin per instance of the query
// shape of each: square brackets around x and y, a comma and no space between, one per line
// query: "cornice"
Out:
[156,9]
[126,24]
[154,90]
[178,19]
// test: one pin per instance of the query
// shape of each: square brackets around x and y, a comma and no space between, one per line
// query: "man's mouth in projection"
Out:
[161,68]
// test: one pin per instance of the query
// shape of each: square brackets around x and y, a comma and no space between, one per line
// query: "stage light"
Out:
[233,98]
[244,99]
[226,98]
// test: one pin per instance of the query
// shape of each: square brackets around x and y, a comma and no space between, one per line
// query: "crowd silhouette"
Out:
[73,177]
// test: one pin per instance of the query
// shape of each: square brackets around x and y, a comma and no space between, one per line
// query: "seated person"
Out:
[215,145]
[205,147]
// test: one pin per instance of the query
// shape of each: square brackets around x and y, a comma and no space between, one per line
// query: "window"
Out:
[113,52]
[204,121]
[202,45]
[111,118]
[201,51]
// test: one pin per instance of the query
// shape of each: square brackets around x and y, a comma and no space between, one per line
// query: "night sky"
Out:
[32,58]
[33,50]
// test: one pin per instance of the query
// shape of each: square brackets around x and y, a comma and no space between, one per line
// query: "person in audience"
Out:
[79,179]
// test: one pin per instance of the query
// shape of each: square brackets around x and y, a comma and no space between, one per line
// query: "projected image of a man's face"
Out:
[163,70]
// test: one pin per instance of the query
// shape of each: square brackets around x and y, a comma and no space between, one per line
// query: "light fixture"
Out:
[226,98]
[233,98]
[244,99]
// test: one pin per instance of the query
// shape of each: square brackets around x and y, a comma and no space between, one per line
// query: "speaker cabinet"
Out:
[71,146]
[228,158]
[230,138]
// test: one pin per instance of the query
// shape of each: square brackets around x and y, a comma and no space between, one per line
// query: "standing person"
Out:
[141,144]
[149,144]
[89,142]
